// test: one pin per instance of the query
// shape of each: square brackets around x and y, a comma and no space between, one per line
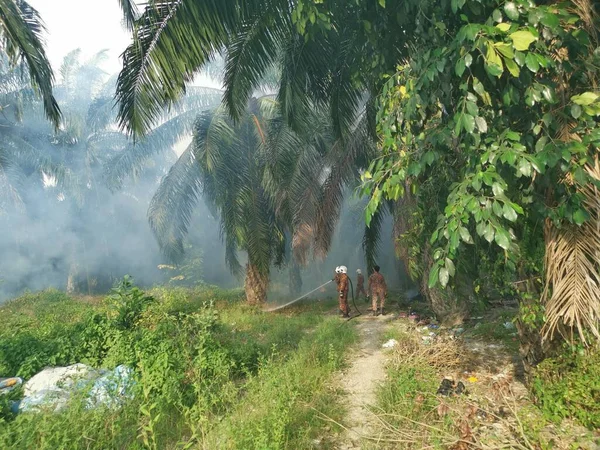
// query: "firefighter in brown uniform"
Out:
[343,286]
[360,285]
[378,290]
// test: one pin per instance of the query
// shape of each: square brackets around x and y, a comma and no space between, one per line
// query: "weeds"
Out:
[210,371]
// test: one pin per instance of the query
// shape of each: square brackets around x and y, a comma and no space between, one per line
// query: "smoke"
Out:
[64,227]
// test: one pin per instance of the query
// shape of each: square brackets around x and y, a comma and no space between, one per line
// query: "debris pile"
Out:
[52,388]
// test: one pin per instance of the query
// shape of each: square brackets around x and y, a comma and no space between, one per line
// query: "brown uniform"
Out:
[378,289]
[343,285]
[360,285]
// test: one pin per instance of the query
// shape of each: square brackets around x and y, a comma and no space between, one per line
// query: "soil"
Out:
[366,371]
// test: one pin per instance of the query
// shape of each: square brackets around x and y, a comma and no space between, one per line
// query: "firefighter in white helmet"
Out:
[343,286]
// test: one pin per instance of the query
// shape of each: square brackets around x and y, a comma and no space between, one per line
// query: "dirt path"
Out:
[366,371]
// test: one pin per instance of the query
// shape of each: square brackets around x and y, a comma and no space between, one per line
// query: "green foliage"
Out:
[568,386]
[198,372]
[488,129]
[127,303]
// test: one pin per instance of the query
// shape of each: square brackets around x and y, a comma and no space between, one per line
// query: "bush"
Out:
[203,363]
[569,386]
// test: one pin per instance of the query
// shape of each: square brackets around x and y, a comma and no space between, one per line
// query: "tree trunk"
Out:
[72,278]
[295,279]
[448,308]
[255,285]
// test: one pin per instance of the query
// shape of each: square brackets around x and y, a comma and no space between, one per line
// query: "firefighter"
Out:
[360,285]
[343,286]
[378,290]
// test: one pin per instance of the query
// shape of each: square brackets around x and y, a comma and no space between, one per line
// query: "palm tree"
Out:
[21,30]
[275,189]
[174,39]
[225,163]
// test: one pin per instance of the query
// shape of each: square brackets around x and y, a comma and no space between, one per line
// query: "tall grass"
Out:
[210,372]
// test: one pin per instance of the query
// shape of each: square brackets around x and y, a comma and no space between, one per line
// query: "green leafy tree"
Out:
[496,101]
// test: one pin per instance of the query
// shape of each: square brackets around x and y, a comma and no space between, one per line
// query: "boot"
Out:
[346,316]
[382,312]
[374,313]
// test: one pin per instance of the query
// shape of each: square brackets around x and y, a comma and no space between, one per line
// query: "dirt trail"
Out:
[366,371]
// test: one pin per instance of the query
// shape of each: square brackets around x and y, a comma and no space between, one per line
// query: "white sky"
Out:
[91,25]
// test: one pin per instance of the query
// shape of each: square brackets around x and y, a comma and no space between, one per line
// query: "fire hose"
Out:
[314,290]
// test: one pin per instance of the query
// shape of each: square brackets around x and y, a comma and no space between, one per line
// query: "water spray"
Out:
[298,299]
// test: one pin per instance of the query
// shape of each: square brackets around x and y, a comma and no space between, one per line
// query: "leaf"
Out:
[503,238]
[459,67]
[481,124]
[497,189]
[497,208]
[509,213]
[450,267]
[524,168]
[454,6]
[580,216]
[505,49]
[382,3]
[575,111]
[512,67]
[468,60]
[511,11]
[489,233]
[444,276]
[522,39]
[433,276]
[468,122]
[465,235]
[497,15]
[503,27]
[532,62]
[585,99]
[472,108]
[550,20]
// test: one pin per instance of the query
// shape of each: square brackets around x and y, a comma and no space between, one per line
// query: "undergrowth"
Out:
[210,371]
[569,386]
[495,411]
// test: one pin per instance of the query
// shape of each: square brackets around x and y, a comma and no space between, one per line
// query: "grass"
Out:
[211,372]
[492,414]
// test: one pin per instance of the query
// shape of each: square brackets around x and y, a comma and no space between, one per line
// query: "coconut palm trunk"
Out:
[255,285]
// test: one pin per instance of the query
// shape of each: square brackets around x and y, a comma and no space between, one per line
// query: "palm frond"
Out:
[130,12]
[173,204]
[344,161]
[172,40]
[22,31]
[372,238]
[250,54]
[572,291]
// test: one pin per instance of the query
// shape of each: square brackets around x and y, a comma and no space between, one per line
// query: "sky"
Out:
[91,25]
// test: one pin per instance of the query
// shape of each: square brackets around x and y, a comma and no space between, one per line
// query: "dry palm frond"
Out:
[572,291]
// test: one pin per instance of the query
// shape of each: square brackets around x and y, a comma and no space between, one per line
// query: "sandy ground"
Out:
[366,371]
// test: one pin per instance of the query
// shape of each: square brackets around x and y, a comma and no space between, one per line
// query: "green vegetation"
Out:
[211,372]
[568,386]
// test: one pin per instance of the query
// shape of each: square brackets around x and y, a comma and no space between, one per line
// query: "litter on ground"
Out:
[390,344]
[52,388]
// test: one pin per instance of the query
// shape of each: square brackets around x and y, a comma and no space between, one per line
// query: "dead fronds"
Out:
[441,354]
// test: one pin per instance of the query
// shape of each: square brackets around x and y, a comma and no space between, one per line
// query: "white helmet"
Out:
[358,271]
[343,269]
[337,270]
